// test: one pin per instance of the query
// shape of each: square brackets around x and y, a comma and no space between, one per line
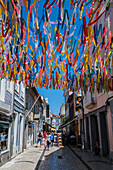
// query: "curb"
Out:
[40,159]
[86,165]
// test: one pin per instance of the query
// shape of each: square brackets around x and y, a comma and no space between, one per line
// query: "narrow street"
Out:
[68,161]
[72,158]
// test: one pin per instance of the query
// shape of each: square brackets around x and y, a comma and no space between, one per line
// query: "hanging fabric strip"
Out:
[15,7]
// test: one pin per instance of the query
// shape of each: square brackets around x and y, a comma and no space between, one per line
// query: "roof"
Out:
[57,116]
[63,114]
[35,91]
[37,94]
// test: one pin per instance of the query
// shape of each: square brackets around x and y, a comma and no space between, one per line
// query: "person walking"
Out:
[52,139]
[48,140]
[43,141]
[45,137]
[39,135]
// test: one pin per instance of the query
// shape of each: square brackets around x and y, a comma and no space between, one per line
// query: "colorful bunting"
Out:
[73,51]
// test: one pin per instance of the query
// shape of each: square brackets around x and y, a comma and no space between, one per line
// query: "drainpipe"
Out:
[24,130]
[108,104]
[83,132]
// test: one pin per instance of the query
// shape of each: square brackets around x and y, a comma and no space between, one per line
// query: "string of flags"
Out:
[73,51]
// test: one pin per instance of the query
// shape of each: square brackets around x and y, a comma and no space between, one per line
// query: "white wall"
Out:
[2,91]
[62,110]
[15,134]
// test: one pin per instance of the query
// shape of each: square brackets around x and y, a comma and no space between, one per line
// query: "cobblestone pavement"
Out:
[24,161]
[69,161]
[95,162]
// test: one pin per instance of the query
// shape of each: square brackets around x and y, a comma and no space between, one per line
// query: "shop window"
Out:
[3,136]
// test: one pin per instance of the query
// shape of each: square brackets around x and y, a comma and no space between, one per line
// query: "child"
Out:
[43,140]
[48,139]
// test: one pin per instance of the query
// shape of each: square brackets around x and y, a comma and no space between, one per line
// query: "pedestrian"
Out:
[97,149]
[63,138]
[52,133]
[45,137]
[43,141]
[55,138]
[39,135]
[48,140]
[52,139]
[41,132]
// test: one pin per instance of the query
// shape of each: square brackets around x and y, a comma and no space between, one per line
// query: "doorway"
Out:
[94,131]
[87,133]
[104,134]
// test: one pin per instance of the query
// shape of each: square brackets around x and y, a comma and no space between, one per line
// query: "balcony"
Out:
[30,117]
[5,108]
[22,95]
[16,89]
[90,99]
[36,116]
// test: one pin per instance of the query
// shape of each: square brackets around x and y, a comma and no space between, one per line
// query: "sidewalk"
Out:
[27,160]
[94,162]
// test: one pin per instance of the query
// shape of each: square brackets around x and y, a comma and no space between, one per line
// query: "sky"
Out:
[55,98]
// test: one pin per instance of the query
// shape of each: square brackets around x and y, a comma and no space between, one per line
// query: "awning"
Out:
[53,129]
[66,124]
[4,125]
[47,123]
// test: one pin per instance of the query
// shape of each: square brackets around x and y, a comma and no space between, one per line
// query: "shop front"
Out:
[97,130]
[5,131]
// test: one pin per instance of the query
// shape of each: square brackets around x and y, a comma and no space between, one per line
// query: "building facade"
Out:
[62,114]
[98,108]
[6,109]
[34,118]
[17,131]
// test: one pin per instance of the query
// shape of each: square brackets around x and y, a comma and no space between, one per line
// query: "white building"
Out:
[34,120]
[62,113]
[6,103]
[18,119]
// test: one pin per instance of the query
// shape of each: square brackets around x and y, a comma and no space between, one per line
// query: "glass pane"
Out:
[3,136]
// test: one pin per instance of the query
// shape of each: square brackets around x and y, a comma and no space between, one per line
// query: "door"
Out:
[12,134]
[87,133]
[19,133]
[104,134]
[94,131]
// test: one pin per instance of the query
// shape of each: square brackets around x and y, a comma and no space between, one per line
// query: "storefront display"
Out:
[3,136]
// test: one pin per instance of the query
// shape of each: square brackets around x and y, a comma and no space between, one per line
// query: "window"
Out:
[100,92]
[22,94]
[8,84]
[3,136]
[20,90]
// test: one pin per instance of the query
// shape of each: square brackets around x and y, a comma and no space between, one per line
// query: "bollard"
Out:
[60,152]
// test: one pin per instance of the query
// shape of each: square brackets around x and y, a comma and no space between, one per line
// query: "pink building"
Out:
[98,107]
[98,114]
